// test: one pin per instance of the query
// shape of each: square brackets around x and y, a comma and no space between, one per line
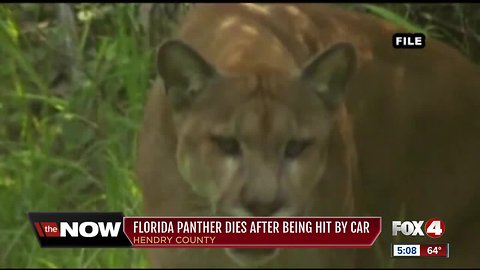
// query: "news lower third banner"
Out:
[113,229]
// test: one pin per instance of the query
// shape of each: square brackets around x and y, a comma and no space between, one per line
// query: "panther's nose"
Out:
[259,205]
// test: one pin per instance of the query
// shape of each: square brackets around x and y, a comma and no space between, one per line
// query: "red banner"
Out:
[252,232]
[434,250]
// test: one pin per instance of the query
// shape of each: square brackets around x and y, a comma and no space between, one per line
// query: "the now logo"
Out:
[434,228]
[90,229]
[79,229]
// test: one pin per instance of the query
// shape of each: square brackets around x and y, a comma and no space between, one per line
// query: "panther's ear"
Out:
[184,72]
[329,72]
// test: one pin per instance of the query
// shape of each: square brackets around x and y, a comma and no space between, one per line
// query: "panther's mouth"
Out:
[252,256]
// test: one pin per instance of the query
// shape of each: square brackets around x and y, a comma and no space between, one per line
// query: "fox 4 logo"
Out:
[434,228]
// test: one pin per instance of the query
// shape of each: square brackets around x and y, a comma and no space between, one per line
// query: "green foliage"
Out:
[394,18]
[454,23]
[69,151]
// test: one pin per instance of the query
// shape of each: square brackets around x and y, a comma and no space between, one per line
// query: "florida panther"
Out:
[307,109]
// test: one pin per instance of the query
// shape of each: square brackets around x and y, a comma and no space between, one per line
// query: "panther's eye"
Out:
[295,147]
[230,146]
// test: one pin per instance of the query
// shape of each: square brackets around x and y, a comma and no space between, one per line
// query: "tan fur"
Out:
[407,135]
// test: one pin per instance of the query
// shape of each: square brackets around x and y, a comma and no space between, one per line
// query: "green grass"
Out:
[395,18]
[70,153]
